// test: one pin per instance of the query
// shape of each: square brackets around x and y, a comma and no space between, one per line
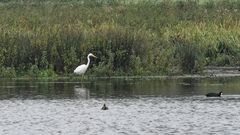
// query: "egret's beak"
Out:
[94,56]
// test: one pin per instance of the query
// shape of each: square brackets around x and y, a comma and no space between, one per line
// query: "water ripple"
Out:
[149,115]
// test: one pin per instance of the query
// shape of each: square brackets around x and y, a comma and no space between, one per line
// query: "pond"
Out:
[136,106]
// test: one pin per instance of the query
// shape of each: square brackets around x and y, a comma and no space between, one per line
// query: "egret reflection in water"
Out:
[81,92]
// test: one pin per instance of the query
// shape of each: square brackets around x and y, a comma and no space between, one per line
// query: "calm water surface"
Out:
[136,106]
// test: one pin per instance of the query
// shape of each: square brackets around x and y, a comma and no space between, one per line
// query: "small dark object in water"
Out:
[104,107]
[214,94]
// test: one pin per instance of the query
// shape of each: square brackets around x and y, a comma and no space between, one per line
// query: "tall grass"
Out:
[130,38]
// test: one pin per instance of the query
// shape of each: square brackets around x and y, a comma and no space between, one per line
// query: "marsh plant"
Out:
[50,37]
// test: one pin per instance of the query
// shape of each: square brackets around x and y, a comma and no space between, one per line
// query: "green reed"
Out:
[49,37]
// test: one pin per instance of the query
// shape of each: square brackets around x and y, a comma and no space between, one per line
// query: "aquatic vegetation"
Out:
[129,37]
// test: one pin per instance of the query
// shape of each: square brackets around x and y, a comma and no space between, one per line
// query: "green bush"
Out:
[223,60]
[188,56]
[7,72]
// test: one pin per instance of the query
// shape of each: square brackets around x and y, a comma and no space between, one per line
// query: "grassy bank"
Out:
[51,37]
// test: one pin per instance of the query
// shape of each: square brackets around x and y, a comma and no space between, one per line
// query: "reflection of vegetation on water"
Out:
[45,38]
[115,88]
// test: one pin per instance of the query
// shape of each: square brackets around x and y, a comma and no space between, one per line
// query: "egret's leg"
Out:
[82,78]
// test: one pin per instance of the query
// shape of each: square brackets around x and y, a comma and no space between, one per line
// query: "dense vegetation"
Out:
[49,37]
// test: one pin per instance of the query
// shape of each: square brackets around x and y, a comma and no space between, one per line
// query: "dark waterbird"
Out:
[214,94]
[104,107]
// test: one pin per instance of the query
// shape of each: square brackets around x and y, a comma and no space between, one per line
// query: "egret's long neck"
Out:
[88,62]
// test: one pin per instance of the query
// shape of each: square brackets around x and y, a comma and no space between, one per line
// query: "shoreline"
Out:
[193,76]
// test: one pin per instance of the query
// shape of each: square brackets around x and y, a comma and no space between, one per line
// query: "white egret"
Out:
[80,70]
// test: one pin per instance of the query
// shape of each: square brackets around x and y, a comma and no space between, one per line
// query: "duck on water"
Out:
[104,107]
[214,94]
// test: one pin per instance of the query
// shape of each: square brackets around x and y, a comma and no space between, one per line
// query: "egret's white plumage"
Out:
[80,70]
